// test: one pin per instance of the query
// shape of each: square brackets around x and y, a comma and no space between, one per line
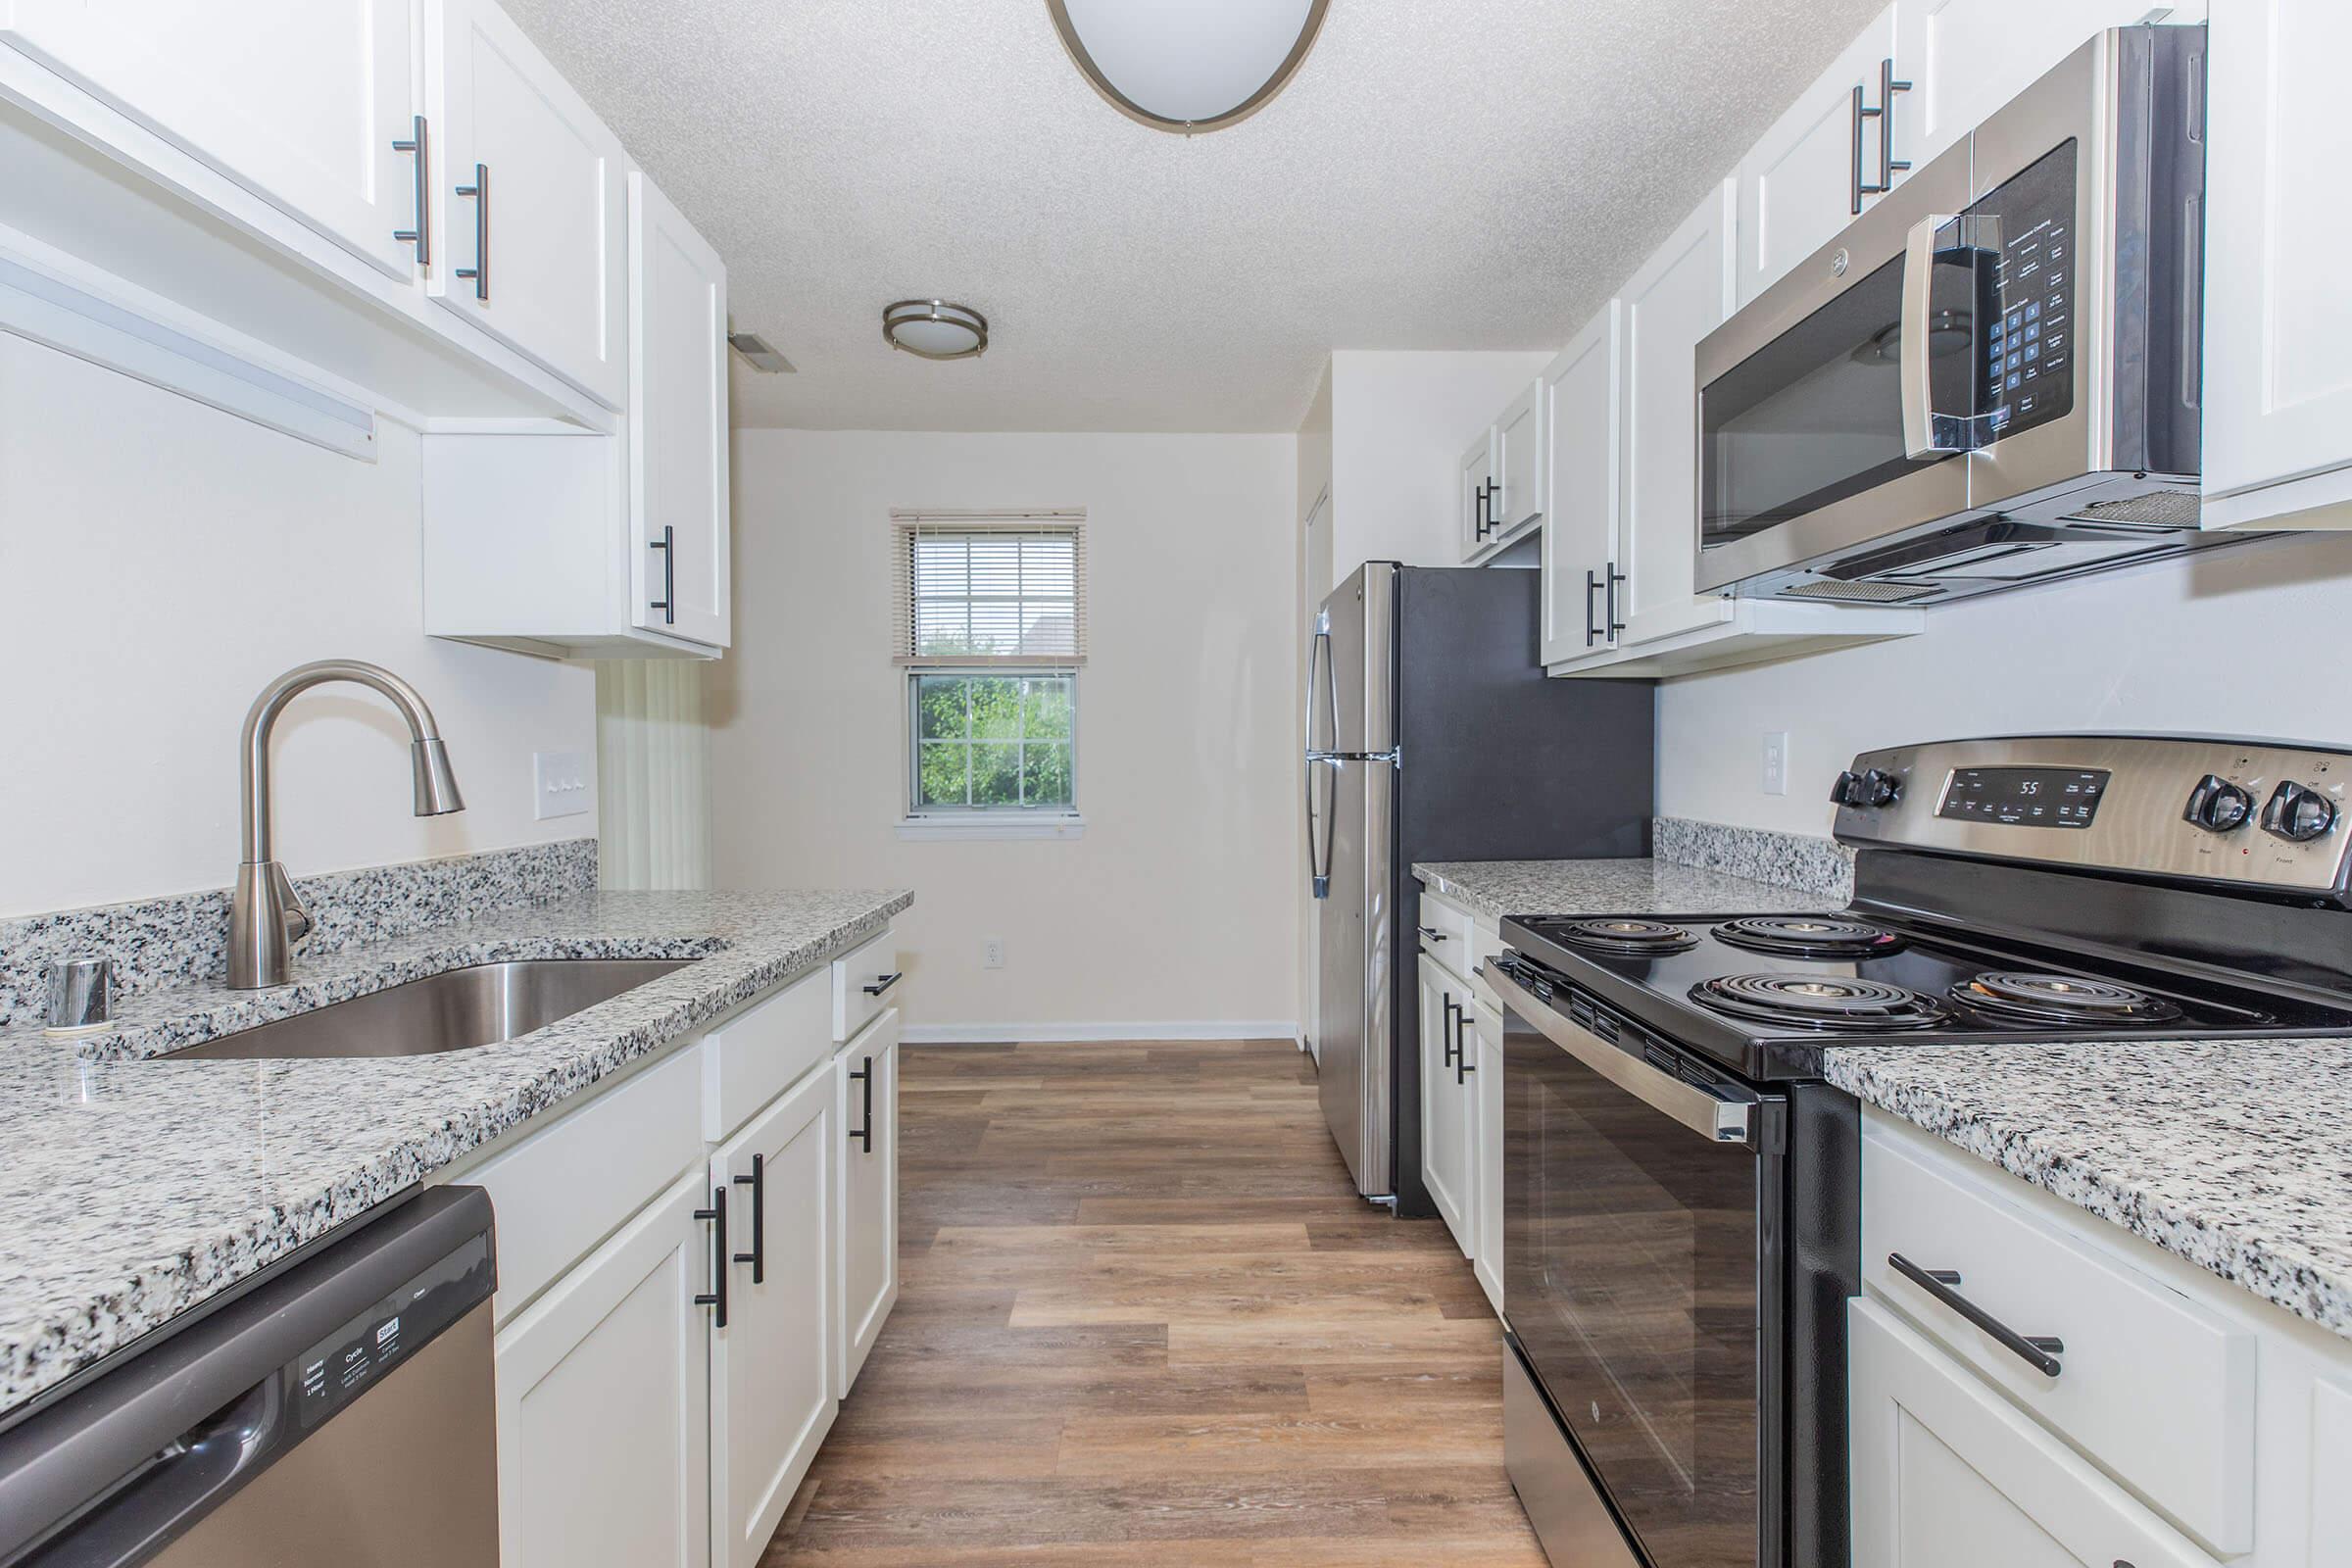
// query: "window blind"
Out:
[988,588]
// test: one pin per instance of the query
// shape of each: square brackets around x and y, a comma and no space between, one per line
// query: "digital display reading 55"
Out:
[2026,797]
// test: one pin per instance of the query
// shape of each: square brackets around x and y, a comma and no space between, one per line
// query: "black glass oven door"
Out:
[1640,1229]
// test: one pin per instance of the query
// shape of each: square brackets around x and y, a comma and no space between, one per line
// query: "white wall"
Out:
[163,561]
[1400,419]
[2246,641]
[1175,908]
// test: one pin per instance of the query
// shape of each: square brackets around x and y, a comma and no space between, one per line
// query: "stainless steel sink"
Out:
[453,1010]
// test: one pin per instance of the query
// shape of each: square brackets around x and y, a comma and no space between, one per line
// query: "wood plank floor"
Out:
[1144,1318]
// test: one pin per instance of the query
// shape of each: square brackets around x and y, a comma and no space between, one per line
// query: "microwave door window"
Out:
[1815,415]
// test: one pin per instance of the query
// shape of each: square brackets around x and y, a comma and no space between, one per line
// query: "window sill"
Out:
[990,825]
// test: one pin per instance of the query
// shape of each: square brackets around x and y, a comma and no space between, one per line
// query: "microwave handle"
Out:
[1927,432]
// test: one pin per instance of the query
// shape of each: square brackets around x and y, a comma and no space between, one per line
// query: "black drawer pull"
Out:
[717,1296]
[757,1181]
[1450,1029]
[863,1077]
[1431,933]
[2037,1351]
[883,982]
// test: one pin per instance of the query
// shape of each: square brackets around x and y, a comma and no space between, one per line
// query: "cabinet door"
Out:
[1444,1121]
[1474,488]
[1580,518]
[1486,1146]
[1810,173]
[772,1366]
[1679,296]
[298,100]
[677,422]
[1966,58]
[1947,1474]
[546,240]
[2279,318]
[866,1083]
[603,1424]
[1518,466]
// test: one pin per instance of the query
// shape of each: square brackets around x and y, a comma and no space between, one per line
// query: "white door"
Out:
[866,1083]
[1486,1148]
[1821,163]
[1518,465]
[604,1425]
[677,422]
[1475,491]
[542,235]
[772,1366]
[1947,1474]
[298,100]
[1681,295]
[1579,521]
[1445,1122]
[1966,58]
[2278,317]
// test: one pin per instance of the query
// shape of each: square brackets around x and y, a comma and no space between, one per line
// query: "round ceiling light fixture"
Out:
[935,329]
[1188,66]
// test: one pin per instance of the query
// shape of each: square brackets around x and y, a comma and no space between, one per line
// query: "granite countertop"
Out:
[133,1188]
[1641,886]
[2236,1154]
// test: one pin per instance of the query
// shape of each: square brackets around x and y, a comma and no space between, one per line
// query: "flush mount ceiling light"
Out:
[1188,66]
[935,329]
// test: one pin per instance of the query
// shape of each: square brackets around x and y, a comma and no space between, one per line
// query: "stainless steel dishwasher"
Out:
[341,1412]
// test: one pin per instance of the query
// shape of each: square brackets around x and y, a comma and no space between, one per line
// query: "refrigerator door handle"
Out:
[1318,857]
[1319,653]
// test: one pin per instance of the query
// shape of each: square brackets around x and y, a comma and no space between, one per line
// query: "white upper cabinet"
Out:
[1966,58]
[299,100]
[2279,317]
[1579,524]
[1680,295]
[677,422]
[1474,492]
[530,202]
[1834,151]
[1519,497]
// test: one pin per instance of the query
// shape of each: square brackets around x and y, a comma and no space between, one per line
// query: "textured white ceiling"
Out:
[1441,173]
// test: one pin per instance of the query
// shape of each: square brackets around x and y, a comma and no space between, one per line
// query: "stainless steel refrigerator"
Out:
[1432,734]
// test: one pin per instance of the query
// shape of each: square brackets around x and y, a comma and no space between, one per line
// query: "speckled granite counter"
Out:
[133,1188]
[2236,1154]
[1497,888]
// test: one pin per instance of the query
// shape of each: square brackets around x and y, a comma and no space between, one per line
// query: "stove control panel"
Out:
[2257,814]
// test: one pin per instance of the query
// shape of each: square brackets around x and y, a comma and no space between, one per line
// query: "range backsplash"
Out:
[1791,860]
[160,942]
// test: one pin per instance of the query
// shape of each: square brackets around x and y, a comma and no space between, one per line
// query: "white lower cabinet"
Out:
[772,1398]
[603,1432]
[1445,1105]
[1947,1474]
[865,1089]
[1485,1149]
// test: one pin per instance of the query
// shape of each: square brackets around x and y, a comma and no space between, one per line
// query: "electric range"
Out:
[1682,1192]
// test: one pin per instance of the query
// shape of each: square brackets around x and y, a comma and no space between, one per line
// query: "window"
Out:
[990,622]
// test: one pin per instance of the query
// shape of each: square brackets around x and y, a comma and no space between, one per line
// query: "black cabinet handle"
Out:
[1883,114]
[1592,587]
[1431,933]
[864,1078]
[1451,1029]
[883,982]
[716,1296]
[1478,507]
[757,1181]
[419,141]
[1493,490]
[668,604]
[479,271]
[1462,1065]
[2036,1350]
[1615,577]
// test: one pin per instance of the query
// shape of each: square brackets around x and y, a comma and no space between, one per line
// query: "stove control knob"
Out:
[2299,813]
[1878,788]
[1847,790]
[2218,806]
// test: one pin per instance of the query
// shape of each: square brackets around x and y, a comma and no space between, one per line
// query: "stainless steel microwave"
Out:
[1990,377]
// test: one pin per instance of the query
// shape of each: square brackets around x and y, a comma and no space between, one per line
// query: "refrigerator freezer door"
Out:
[1361,617]
[1355,1026]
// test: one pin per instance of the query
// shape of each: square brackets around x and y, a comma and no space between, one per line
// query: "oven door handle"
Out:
[1716,1119]
[1929,432]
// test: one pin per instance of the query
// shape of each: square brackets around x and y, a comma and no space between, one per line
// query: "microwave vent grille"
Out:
[2169,510]
[1861,592]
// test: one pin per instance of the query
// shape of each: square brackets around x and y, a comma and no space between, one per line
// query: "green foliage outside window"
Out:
[994,741]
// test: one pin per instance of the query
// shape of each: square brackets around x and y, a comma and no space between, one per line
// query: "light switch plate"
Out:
[558,784]
[1776,762]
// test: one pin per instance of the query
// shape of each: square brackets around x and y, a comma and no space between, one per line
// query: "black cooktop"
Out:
[1764,994]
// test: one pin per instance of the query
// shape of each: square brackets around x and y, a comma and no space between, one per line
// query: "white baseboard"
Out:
[998,1034]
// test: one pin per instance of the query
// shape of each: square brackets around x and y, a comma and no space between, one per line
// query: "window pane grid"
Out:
[996,742]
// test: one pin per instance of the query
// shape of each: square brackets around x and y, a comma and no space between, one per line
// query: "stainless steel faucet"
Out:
[265,917]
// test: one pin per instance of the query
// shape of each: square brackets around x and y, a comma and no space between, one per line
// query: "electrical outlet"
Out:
[558,784]
[1776,762]
[991,953]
